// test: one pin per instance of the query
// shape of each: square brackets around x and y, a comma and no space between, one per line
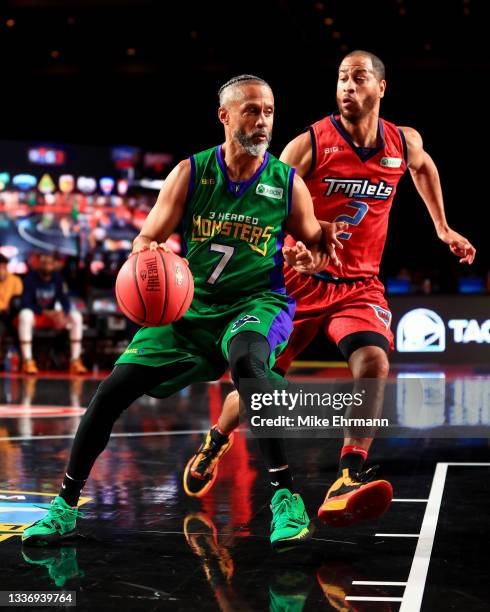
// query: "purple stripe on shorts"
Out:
[282,326]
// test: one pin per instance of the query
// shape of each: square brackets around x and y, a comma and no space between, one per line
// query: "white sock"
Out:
[76,330]
[26,348]
[76,349]
[26,323]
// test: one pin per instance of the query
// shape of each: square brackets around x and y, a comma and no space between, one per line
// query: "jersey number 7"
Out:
[227,252]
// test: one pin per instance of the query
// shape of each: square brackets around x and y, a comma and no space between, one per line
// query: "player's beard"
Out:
[357,114]
[253,149]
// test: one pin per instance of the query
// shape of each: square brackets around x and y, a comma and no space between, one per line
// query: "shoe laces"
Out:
[206,455]
[366,475]
[211,449]
[283,512]
[58,512]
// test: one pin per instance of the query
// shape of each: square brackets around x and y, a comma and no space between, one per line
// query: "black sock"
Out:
[351,461]
[71,489]
[218,438]
[281,479]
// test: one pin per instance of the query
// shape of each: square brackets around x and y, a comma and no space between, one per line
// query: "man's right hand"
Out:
[141,243]
[152,245]
[331,231]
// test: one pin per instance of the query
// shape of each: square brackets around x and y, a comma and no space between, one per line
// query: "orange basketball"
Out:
[154,288]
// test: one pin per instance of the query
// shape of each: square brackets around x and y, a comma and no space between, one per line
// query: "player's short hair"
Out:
[3,259]
[378,66]
[225,92]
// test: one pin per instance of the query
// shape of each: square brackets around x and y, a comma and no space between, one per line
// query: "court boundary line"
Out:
[397,535]
[366,598]
[378,583]
[180,432]
[417,578]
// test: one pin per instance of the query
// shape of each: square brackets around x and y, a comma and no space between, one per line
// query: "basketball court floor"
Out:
[144,545]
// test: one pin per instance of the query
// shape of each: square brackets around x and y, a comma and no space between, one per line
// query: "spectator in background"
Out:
[42,289]
[10,290]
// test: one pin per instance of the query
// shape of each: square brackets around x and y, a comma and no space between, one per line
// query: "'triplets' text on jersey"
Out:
[356,185]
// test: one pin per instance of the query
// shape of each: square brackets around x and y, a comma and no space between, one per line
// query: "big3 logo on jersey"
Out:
[239,227]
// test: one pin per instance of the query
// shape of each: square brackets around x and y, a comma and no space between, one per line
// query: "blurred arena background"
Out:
[101,98]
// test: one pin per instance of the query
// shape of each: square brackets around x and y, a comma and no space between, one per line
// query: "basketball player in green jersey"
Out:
[236,202]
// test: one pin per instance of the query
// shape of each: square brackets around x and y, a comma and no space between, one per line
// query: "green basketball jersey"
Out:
[234,231]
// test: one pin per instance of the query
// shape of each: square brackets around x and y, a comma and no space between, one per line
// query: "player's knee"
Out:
[376,366]
[370,362]
[248,353]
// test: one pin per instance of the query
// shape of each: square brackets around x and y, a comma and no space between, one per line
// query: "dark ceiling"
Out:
[80,70]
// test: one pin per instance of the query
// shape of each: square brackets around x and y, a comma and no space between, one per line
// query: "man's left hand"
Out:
[458,245]
[299,257]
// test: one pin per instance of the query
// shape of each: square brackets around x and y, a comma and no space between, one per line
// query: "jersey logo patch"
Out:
[269,191]
[243,321]
[383,315]
[391,162]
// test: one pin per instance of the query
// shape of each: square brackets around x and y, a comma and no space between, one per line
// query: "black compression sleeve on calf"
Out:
[249,358]
[117,392]
[273,451]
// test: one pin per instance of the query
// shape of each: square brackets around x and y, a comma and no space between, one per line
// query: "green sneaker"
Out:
[290,523]
[289,590]
[58,524]
[61,563]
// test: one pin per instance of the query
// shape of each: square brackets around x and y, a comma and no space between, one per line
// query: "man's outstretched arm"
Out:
[427,182]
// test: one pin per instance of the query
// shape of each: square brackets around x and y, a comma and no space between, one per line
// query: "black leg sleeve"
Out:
[117,392]
[249,358]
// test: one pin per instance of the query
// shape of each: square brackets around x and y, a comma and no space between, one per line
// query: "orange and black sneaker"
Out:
[77,367]
[354,497]
[202,536]
[202,468]
[29,366]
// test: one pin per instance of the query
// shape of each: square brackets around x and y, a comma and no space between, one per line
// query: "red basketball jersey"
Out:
[356,185]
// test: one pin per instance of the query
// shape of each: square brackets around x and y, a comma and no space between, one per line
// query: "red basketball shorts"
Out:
[42,321]
[336,309]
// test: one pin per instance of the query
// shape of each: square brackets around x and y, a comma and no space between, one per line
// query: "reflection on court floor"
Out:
[145,545]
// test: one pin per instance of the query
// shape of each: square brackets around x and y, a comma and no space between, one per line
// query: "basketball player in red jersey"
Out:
[352,162]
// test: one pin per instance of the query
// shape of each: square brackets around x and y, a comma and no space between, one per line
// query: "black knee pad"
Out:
[249,356]
[358,340]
